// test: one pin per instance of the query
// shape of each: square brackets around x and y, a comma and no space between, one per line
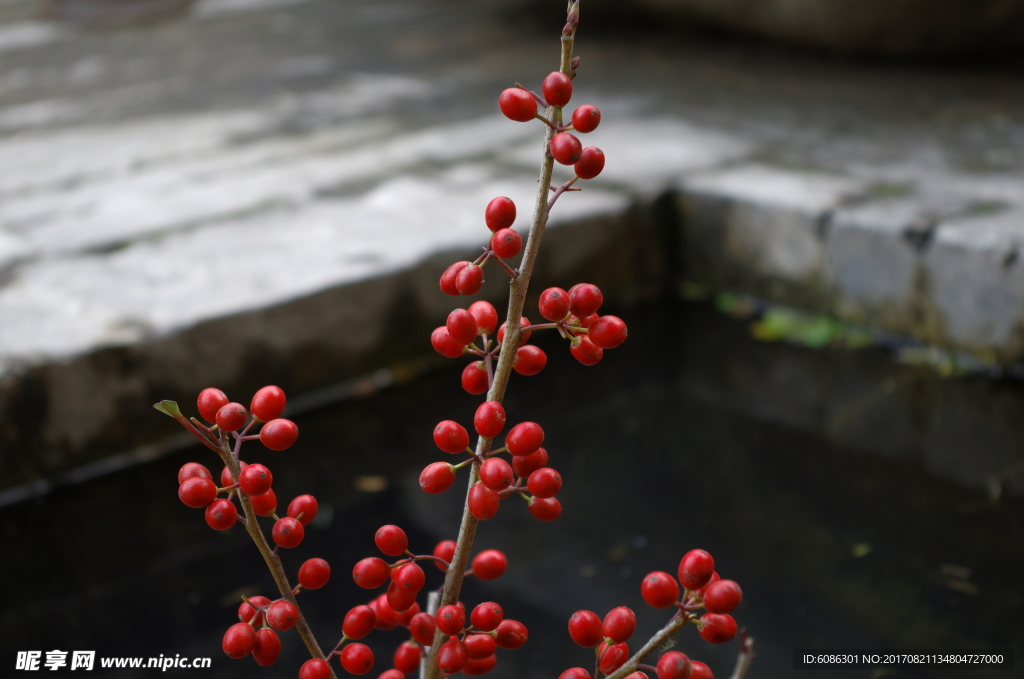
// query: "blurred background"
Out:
[811,219]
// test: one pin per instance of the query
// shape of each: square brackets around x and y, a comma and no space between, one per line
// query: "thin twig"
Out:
[673,626]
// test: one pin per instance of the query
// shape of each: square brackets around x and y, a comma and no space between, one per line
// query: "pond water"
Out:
[833,548]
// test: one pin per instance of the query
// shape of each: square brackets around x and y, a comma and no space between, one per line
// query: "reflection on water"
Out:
[834,548]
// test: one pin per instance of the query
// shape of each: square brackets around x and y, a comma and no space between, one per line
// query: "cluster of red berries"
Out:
[528,476]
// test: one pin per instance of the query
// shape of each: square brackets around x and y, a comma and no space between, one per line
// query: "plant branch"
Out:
[673,626]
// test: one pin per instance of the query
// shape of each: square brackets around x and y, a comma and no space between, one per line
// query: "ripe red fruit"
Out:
[267,647]
[722,596]
[391,540]
[524,438]
[585,322]
[239,640]
[585,629]
[565,148]
[359,622]
[608,332]
[659,589]
[399,598]
[489,564]
[191,470]
[314,573]
[586,118]
[486,616]
[529,360]
[445,344]
[225,474]
[221,514]
[371,572]
[209,402]
[409,577]
[518,104]
[449,277]
[695,569]
[496,474]
[255,480]
[489,419]
[282,615]
[500,213]
[357,658]
[585,299]
[553,304]
[266,504]
[315,669]
[450,620]
[287,532]
[511,634]
[406,616]
[524,336]
[545,509]
[483,502]
[557,88]
[232,417]
[716,628]
[452,656]
[451,437]
[486,316]
[474,378]
[248,609]
[544,483]
[590,164]
[470,280]
[575,673]
[305,506]
[437,477]
[422,628]
[585,351]
[390,674]
[614,657]
[699,670]
[407,657]
[461,326]
[619,624]
[715,577]
[444,550]
[387,618]
[482,666]
[197,492]
[279,434]
[480,646]
[506,243]
[525,465]
[673,665]
[268,403]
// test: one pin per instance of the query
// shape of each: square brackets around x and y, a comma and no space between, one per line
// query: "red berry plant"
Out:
[445,635]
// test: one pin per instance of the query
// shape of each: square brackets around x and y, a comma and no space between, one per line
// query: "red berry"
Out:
[659,589]
[489,419]
[314,573]
[391,540]
[282,615]
[304,506]
[614,657]
[444,550]
[387,618]
[194,470]
[359,622]
[524,438]
[406,616]
[619,624]
[590,164]
[445,344]
[529,360]
[673,665]
[584,322]
[486,616]
[279,434]
[482,666]
[268,403]
[544,483]
[715,577]
[449,277]
[511,634]
[287,532]
[524,336]
[496,474]
[575,673]
[210,401]
[357,658]
[716,628]
[470,280]
[461,326]
[391,674]
[221,514]
[557,88]
[255,480]
[483,502]
[553,304]
[371,572]
[585,629]
[500,213]
[474,378]
[585,351]
[225,474]
[695,569]
[399,598]
[422,628]
[264,505]
[518,104]
[267,647]
[232,417]
[506,243]
[451,437]
[525,465]
[315,669]
[722,596]
[407,657]
[545,509]
[480,646]
[486,317]
[248,609]
[197,492]
[586,118]
[585,299]
[239,640]
[699,670]
[608,332]
[452,656]
[409,577]
[565,148]
[489,564]
[450,620]
[437,477]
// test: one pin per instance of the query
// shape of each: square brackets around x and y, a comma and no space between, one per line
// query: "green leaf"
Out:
[169,408]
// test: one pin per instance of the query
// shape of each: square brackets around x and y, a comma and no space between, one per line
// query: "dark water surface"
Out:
[833,548]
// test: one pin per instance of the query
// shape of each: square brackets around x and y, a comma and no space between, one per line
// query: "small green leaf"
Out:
[168,408]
